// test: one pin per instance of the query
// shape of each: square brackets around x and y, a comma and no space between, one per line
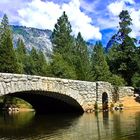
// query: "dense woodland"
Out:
[71,58]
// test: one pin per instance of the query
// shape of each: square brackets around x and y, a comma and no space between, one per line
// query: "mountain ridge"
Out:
[33,37]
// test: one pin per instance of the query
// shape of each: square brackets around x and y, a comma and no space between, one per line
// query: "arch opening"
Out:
[49,102]
[105,101]
[11,103]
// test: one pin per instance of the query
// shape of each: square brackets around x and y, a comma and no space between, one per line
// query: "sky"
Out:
[95,19]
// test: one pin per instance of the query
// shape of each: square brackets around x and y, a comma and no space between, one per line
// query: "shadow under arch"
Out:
[45,102]
[105,101]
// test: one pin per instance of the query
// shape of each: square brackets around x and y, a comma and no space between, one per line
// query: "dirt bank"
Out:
[129,102]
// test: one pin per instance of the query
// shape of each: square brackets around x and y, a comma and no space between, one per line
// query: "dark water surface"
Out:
[123,125]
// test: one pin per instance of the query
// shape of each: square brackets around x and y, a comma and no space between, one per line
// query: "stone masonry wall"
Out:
[125,91]
[104,87]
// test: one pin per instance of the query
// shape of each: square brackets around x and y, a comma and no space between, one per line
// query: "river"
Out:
[124,125]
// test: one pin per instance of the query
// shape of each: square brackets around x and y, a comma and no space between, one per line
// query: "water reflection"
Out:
[106,119]
[98,126]
[13,124]
[30,126]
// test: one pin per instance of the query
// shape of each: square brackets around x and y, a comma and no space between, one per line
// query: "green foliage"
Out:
[61,68]
[36,63]
[61,37]
[99,67]
[136,80]
[137,58]
[116,80]
[121,56]
[63,49]
[125,22]
[136,76]
[21,55]
[8,62]
[29,63]
[81,60]
[32,64]
[42,64]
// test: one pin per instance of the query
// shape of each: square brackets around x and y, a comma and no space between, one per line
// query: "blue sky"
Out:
[95,19]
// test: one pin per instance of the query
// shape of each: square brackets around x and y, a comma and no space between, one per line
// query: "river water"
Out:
[116,125]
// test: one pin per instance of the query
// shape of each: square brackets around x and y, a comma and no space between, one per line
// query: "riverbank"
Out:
[129,102]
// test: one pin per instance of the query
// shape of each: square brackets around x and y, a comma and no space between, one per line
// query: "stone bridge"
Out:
[55,94]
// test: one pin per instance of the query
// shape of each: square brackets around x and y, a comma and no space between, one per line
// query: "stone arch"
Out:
[49,102]
[104,100]
[17,83]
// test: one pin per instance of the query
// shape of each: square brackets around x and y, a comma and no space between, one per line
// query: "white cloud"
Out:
[40,14]
[116,7]
[135,16]
[44,15]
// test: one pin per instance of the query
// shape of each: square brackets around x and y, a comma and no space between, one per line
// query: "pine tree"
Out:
[42,64]
[63,48]
[34,62]
[29,65]
[61,37]
[21,55]
[136,76]
[8,62]
[61,68]
[81,60]
[99,68]
[125,22]
[122,61]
